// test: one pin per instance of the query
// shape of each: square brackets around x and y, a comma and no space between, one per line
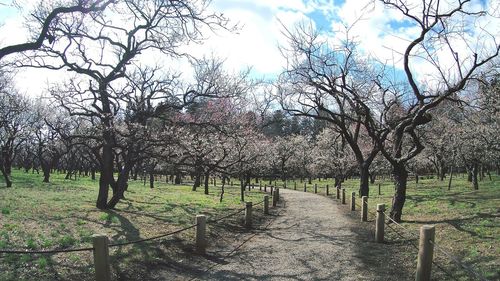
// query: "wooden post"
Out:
[215,182]
[305,187]
[253,186]
[294,185]
[338,193]
[271,187]
[353,201]
[327,190]
[266,204]
[201,230]
[425,253]
[315,188]
[249,187]
[343,196]
[248,215]
[364,208]
[379,193]
[379,225]
[101,257]
[275,197]
[260,186]
[265,187]
[231,183]
[278,194]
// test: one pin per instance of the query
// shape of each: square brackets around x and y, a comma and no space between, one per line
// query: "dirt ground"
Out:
[308,237]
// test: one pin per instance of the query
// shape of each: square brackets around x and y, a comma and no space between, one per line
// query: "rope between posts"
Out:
[469,269]
[46,251]
[416,247]
[152,238]
[256,204]
[226,216]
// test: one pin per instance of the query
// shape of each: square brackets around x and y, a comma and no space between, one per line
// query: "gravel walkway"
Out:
[311,238]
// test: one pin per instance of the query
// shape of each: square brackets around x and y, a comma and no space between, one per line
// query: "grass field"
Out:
[467,221]
[62,215]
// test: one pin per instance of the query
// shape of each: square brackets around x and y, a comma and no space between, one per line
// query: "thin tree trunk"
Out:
[475,171]
[364,177]
[207,179]
[151,180]
[400,180]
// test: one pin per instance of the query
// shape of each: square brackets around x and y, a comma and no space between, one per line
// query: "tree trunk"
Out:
[451,177]
[372,178]
[106,178]
[92,174]
[151,180]
[178,179]
[8,181]
[475,172]
[242,190]
[46,173]
[207,179]
[197,180]
[364,180]
[400,180]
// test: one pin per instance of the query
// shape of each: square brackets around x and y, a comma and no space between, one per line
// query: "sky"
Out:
[382,33]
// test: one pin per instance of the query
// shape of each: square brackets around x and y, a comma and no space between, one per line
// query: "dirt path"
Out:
[312,238]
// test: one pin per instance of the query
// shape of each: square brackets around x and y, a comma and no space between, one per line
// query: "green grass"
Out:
[62,214]
[467,221]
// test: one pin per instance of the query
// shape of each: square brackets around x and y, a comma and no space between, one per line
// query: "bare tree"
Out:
[101,47]
[46,18]
[328,82]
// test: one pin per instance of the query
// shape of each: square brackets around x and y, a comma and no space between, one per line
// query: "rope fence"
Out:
[413,237]
[101,243]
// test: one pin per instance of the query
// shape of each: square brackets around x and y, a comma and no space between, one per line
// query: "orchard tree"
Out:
[443,34]
[327,82]
[15,122]
[46,18]
[101,49]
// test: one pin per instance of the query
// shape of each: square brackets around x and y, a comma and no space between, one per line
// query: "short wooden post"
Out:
[305,187]
[278,194]
[271,187]
[201,230]
[315,188]
[248,214]
[275,197]
[253,186]
[327,190]
[379,225]
[364,208]
[338,192]
[353,201]
[265,187]
[249,187]
[379,193]
[343,196]
[425,253]
[266,204]
[294,185]
[260,186]
[101,257]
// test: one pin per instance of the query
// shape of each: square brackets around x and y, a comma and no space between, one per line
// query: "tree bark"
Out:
[8,181]
[364,177]
[400,176]
[475,172]
[207,180]
[151,180]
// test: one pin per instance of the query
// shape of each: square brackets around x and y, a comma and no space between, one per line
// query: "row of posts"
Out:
[101,241]
[427,232]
